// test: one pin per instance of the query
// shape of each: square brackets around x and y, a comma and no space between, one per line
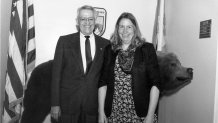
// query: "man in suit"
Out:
[75,73]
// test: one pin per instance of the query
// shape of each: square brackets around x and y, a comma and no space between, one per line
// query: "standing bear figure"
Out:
[37,104]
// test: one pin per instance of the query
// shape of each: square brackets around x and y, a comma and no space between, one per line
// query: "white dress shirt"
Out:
[82,47]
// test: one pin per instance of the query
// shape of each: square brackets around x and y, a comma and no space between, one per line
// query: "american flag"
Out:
[21,58]
[159,33]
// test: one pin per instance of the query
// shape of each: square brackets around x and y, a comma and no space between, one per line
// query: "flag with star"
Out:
[21,58]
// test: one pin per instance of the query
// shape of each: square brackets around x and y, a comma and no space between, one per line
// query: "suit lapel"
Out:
[76,51]
[98,52]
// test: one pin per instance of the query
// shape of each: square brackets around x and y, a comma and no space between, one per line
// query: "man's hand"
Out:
[55,112]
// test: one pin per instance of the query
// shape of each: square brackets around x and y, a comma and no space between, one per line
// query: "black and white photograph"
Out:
[109,61]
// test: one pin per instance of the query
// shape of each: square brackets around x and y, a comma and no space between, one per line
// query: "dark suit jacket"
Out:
[71,88]
[145,74]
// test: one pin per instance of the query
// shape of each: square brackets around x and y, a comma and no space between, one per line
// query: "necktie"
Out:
[88,54]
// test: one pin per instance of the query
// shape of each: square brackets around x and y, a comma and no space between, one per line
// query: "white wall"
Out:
[216,90]
[195,102]
[4,34]
[54,18]
[0,55]
[57,17]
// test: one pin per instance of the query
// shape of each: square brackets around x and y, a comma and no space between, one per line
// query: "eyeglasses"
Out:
[87,19]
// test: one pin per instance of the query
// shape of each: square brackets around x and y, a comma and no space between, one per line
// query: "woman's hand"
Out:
[149,119]
[102,118]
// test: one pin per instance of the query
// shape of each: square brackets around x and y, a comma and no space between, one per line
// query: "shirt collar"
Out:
[82,35]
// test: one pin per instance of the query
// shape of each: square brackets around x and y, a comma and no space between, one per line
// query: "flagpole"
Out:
[27,16]
[25,58]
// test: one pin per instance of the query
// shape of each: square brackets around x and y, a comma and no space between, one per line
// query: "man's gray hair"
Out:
[87,7]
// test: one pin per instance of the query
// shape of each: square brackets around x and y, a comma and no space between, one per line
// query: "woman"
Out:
[129,85]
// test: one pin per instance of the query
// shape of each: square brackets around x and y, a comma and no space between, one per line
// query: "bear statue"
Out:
[36,101]
[174,76]
[37,95]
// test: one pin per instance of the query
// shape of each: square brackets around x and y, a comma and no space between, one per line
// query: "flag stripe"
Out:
[16,57]
[31,56]
[6,116]
[31,44]
[30,11]
[15,80]
[9,90]
[31,66]
[6,104]
[30,2]
[31,22]
[31,33]
[18,33]
[21,49]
